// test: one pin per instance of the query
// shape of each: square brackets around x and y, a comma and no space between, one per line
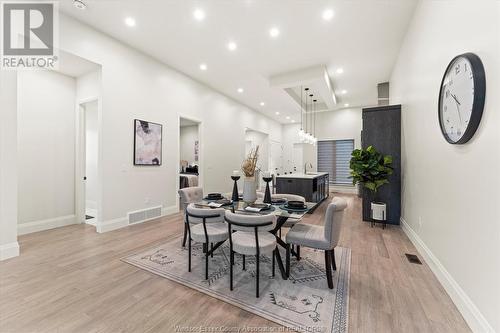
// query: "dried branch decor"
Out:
[250,163]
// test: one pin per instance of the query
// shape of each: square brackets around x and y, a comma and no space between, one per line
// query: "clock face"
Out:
[460,104]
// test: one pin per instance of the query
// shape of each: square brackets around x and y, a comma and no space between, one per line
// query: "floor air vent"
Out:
[143,215]
[413,259]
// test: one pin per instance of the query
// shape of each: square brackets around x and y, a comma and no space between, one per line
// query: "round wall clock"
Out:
[461,98]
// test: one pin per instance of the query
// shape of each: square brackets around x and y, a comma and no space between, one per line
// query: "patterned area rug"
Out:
[303,302]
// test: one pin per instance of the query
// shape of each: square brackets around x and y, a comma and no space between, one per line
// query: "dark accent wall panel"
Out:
[382,130]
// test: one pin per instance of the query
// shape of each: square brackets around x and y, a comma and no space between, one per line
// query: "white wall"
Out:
[134,85]
[8,165]
[46,147]
[91,154]
[450,193]
[254,139]
[188,136]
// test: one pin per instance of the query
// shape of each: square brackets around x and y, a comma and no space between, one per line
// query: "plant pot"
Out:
[378,211]
[249,190]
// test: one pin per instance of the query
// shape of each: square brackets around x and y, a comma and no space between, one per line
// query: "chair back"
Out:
[333,220]
[189,195]
[288,197]
[240,222]
[195,215]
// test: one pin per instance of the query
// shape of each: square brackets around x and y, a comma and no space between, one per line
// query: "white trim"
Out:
[35,226]
[122,222]
[467,308]
[9,250]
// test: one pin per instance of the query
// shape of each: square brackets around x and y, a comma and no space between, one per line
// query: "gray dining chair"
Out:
[205,226]
[289,197]
[252,237]
[321,237]
[188,195]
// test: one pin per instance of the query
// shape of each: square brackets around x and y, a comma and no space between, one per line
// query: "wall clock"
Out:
[461,98]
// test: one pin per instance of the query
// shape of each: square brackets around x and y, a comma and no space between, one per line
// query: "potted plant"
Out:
[371,169]
[249,168]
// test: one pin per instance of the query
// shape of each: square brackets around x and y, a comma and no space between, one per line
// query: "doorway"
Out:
[89,159]
[190,154]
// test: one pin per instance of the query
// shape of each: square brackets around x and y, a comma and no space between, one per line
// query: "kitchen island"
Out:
[313,186]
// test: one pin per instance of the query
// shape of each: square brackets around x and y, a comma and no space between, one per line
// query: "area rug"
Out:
[302,303]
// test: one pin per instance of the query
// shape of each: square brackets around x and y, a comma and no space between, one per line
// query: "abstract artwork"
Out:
[147,143]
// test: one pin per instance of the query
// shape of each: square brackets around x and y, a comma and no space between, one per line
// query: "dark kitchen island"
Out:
[313,186]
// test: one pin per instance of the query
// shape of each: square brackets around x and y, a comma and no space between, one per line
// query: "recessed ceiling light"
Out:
[274,32]
[340,70]
[232,46]
[327,14]
[262,103]
[277,113]
[343,92]
[199,14]
[203,67]
[130,21]
[287,117]
[79,4]
[240,90]
[346,104]
[293,120]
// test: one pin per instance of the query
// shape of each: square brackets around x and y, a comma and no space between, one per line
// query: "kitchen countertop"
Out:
[308,175]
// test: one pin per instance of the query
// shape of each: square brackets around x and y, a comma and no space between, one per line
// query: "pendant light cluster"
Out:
[307,120]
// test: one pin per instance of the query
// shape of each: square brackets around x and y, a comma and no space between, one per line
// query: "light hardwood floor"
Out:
[71,279]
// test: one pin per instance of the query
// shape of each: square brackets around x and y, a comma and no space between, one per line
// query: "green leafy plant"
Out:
[370,168]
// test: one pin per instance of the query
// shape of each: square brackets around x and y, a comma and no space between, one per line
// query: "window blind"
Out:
[334,157]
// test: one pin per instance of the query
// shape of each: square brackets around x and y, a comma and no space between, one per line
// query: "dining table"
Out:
[282,213]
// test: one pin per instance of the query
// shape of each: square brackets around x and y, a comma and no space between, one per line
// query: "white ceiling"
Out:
[75,66]
[363,38]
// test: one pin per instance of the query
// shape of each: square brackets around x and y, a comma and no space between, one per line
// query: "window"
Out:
[334,157]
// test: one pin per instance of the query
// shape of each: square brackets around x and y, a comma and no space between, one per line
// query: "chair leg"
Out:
[328,268]
[211,249]
[231,263]
[257,263]
[189,260]
[185,236]
[298,252]
[287,261]
[206,263]
[243,261]
[274,260]
[334,264]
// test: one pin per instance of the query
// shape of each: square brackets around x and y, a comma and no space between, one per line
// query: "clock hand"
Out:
[458,109]
[455,98]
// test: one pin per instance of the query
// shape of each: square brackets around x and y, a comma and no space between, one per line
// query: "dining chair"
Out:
[188,195]
[205,226]
[290,222]
[252,237]
[321,237]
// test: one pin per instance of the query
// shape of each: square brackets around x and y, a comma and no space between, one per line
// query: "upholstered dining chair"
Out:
[205,226]
[321,237]
[252,237]
[289,197]
[188,195]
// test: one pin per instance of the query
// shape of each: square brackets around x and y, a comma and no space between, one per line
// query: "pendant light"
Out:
[301,131]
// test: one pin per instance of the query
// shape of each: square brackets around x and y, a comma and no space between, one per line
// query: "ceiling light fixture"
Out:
[287,117]
[343,92]
[340,70]
[232,46]
[79,4]
[203,67]
[262,103]
[277,113]
[240,90]
[130,21]
[293,120]
[274,32]
[199,14]
[346,105]
[327,14]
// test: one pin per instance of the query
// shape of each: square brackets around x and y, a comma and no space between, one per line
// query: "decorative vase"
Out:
[249,190]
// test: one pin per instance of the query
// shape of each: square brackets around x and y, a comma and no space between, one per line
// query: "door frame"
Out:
[80,161]
[201,154]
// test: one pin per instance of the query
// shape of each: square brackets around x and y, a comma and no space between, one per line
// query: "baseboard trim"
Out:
[9,250]
[122,222]
[41,225]
[474,318]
